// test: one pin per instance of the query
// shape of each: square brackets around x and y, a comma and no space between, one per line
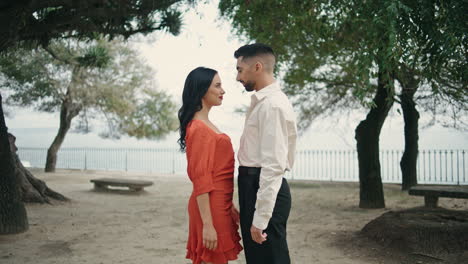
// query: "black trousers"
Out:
[275,249]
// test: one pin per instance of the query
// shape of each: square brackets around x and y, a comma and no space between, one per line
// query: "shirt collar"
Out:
[266,91]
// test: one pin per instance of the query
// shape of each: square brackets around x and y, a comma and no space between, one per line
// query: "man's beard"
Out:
[249,86]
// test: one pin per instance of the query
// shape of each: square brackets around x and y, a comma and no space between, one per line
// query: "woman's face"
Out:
[214,95]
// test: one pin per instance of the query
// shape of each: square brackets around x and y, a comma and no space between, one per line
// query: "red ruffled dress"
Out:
[210,167]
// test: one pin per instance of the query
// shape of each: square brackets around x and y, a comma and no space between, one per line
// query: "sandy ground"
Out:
[151,226]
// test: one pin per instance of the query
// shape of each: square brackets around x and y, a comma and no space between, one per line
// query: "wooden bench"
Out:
[133,185]
[432,193]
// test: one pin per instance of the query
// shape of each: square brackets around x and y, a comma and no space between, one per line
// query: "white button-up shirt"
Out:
[269,142]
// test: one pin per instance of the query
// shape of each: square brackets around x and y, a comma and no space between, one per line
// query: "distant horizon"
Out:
[435,137]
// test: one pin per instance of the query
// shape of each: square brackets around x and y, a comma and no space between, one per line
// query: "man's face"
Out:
[245,74]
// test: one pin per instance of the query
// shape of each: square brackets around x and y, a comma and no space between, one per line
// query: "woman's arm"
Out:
[210,238]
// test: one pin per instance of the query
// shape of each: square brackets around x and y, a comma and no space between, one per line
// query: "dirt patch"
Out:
[434,233]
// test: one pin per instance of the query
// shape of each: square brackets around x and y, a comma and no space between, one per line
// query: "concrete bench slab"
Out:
[133,185]
[432,193]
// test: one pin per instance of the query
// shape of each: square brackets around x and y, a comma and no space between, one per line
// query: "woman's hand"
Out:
[210,238]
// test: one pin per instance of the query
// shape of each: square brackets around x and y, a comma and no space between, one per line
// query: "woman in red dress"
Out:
[213,219]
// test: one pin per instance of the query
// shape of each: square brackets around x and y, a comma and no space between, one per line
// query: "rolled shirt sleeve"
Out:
[273,158]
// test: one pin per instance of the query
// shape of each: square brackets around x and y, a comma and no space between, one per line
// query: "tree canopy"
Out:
[101,79]
[332,50]
[89,80]
[40,21]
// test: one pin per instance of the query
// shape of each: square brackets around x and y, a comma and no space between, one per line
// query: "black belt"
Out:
[249,170]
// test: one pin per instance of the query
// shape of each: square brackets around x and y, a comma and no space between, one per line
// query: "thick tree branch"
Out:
[55,56]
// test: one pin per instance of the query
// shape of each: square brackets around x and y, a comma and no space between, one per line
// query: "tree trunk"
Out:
[13,217]
[64,126]
[367,137]
[68,111]
[32,190]
[409,159]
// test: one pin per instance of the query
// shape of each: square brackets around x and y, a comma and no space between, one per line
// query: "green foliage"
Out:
[94,56]
[315,49]
[36,21]
[331,51]
[25,72]
[150,118]
[103,79]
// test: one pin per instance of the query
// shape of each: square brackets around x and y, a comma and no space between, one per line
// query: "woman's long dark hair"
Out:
[196,85]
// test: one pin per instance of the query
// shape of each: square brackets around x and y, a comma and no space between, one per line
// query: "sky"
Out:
[208,41]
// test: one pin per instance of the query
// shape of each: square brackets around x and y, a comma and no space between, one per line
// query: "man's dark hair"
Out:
[251,50]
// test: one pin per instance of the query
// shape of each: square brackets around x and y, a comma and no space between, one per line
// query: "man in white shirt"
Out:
[266,152]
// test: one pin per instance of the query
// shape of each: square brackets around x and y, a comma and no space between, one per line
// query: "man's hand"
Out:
[257,235]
